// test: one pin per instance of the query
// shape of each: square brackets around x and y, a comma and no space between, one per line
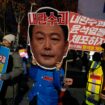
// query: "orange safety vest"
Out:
[94,84]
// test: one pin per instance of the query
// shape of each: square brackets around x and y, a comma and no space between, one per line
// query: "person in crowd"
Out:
[95,81]
[14,68]
[102,94]
[85,60]
[22,87]
[48,46]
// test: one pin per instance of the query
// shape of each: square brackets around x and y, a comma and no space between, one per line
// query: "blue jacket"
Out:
[46,85]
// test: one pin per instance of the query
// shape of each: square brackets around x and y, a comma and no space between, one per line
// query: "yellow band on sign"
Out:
[92,48]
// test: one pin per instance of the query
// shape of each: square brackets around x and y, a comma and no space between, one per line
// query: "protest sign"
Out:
[86,34]
[4,56]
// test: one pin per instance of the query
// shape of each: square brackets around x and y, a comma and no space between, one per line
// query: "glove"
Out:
[5,77]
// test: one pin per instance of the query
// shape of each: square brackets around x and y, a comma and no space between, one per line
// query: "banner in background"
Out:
[85,33]
[4,56]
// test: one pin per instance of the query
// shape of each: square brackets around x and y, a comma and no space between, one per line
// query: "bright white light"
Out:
[91,54]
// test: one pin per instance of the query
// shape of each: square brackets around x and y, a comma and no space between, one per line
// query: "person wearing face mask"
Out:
[49,45]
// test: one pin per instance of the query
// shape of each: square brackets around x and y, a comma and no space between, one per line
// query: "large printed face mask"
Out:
[48,44]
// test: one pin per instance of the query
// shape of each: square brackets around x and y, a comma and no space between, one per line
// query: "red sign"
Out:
[86,33]
[41,18]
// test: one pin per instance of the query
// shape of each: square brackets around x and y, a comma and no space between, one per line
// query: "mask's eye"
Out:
[55,37]
[39,36]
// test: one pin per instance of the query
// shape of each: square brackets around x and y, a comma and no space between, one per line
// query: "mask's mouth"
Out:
[47,56]
[47,68]
[35,62]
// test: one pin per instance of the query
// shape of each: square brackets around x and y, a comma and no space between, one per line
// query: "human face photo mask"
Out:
[47,41]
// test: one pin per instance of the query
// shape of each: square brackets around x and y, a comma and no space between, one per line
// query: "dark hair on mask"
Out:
[47,10]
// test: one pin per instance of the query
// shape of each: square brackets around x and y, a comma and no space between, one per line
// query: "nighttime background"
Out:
[13,20]
[13,13]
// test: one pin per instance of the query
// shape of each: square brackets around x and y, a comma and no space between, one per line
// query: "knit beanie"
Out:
[10,38]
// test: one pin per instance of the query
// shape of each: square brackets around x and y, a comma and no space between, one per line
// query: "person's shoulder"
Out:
[33,67]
